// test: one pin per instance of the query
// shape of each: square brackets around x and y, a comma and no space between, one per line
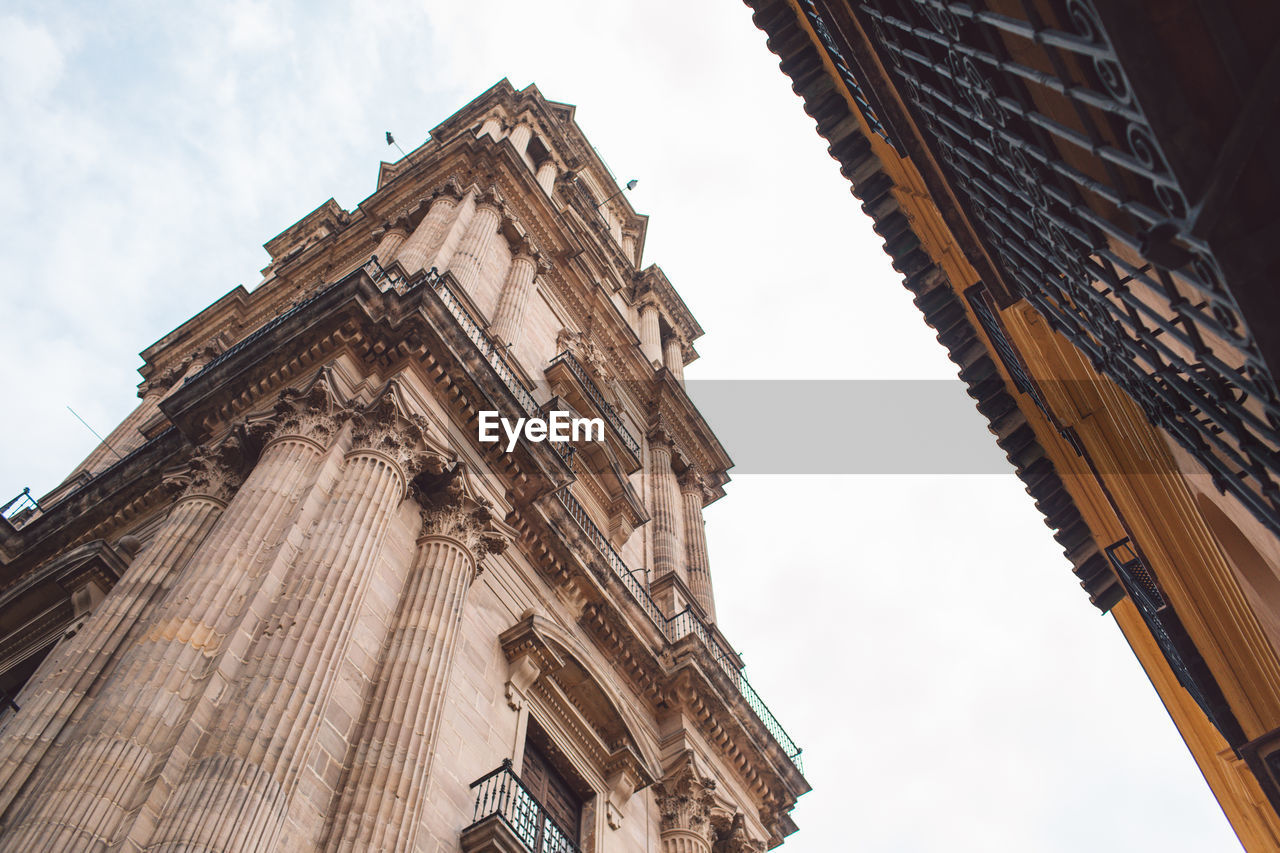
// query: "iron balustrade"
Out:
[501,793]
[1072,194]
[680,625]
[494,355]
[597,397]
[21,504]
[842,68]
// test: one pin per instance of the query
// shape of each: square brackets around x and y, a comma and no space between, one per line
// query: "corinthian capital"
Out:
[384,426]
[736,839]
[685,797]
[213,471]
[450,509]
[314,413]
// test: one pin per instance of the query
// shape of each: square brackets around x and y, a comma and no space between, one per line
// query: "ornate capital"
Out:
[451,510]
[385,427]
[693,483]
[313,413]
[736,839]
[213,471]
[685,797]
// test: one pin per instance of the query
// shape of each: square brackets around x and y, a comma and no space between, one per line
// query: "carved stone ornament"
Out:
[685,797]
[313,413]
[736,839]
[384,426]
[450,509]
[691,482]
[213,471]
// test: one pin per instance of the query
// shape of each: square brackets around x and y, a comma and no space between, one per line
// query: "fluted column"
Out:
[53,694]
[698,566]
[650,334]
[673,358]
[520,136]
[514,296]
[668,548]
[546,175]
[468,261]
[685,797]
[392,238]
[239,787]
[419,249]
[383,795]
[138,716]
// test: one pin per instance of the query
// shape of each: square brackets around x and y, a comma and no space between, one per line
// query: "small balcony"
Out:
[508,819]
[584,393]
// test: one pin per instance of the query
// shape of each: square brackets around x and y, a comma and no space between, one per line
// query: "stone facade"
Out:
[310,610]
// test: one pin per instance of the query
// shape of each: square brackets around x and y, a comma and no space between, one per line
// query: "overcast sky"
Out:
[921,637]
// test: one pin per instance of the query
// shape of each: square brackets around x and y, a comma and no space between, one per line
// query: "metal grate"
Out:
[501,793]
[1036,124]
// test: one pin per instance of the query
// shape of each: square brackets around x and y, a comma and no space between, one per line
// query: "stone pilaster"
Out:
[515,294]
[684,799]
[240,785]
[468,261]
[113,754]
[668,539]
[419,250]
[697,564]
[383,795]
[650,334]
[673,358]
[64,678]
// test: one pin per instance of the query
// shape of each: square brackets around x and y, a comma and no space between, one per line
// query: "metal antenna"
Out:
[101,440]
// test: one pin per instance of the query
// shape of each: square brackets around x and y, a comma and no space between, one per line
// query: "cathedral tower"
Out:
[312,607]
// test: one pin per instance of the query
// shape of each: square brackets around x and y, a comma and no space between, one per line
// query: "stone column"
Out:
[419,249]
[668,548]
[692,491]
[384,793]
[468,261]
[112,756]
[673,358]
[390,241]
[515,295]
[240,785]
[684,798]
[520,136]
[546,175]
[52,696]
[650,334]
[491,126]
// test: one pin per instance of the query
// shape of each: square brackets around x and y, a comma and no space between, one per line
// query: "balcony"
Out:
[681,625]
[592,394]
[509,819]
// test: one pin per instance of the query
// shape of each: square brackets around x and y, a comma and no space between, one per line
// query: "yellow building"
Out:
[1081,198]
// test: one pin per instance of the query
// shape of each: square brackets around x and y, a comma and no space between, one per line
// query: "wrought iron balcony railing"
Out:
[681,625]
[1043,137]
[597,397]
[501,793]
[20,506]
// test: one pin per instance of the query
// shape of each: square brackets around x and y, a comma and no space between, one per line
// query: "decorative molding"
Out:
[685,797]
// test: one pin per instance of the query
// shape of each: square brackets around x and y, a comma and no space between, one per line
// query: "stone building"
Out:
[1082,197]
[294,602]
